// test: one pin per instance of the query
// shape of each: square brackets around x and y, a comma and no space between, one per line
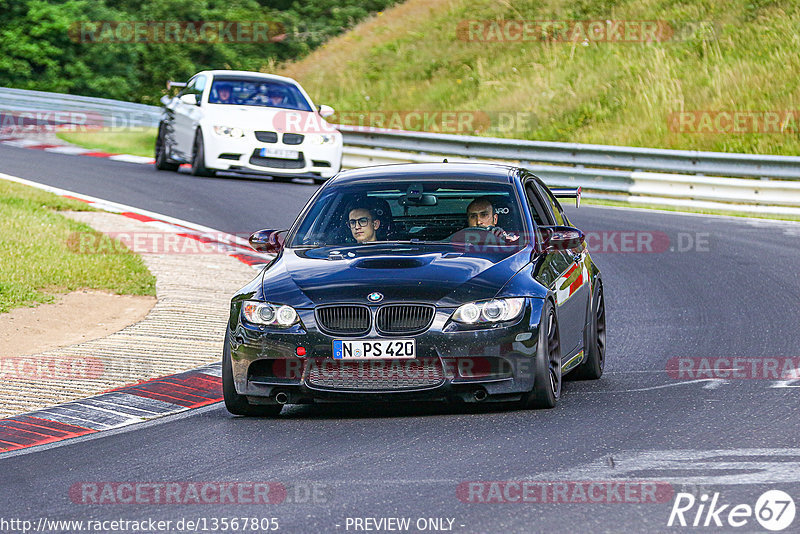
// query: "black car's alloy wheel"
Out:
[162,160]
[595,343]
[235,403]
[547,367]
[199,157]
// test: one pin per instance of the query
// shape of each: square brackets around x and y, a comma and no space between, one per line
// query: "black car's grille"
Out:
[349,320]
[375,375]
[267,137]
[404,318]
[292,139]
[278,163]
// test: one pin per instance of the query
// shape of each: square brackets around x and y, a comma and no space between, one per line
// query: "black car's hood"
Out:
[441,275]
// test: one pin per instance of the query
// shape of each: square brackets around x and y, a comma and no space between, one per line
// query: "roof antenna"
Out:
[444,160]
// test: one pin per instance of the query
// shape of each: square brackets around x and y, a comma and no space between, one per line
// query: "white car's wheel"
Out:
[199,157]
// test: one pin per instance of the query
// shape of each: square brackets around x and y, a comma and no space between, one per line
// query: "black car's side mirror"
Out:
[269,241]
[556,238]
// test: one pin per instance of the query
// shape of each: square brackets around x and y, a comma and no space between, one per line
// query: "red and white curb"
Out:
[136,403]
[22,142]
[234,246]
[116,408]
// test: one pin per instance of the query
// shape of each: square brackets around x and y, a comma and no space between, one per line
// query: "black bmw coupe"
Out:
[453,282]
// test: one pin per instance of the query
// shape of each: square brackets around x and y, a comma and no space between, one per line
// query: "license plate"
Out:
[279,153]
[374,349]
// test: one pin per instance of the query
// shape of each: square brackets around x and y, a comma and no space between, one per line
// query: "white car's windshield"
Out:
[242,91]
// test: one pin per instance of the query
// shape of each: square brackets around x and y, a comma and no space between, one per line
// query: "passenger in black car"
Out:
[363,223]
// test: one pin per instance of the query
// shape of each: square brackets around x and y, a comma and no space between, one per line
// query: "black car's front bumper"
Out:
[492,364]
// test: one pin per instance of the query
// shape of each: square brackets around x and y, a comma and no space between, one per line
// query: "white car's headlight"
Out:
[269,314]
[325,139]
[228,131]
[489,311]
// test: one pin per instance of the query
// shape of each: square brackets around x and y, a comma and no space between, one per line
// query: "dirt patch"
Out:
[74,318]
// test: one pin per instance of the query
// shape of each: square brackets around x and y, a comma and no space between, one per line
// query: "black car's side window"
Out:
[538,211]
[553,206]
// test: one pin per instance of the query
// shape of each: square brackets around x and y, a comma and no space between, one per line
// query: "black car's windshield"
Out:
[416,212]
[262,92]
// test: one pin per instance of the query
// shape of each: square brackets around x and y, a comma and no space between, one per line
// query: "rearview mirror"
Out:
[268,241]
[426,199]
[191,99]
[556,238]
[325,111]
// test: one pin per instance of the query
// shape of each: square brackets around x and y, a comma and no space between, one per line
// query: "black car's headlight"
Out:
[268,313]
[489,311]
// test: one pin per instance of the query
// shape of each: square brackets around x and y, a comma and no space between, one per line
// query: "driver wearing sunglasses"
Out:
[363,224]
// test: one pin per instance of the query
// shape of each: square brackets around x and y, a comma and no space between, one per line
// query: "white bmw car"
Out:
[247,122]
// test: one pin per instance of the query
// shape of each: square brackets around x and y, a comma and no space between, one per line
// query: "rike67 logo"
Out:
[774,510]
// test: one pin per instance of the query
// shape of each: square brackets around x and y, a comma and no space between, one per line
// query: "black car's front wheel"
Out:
[235,403]
[595,342]
[547,364]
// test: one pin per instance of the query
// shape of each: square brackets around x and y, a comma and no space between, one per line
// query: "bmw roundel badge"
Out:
[375,297]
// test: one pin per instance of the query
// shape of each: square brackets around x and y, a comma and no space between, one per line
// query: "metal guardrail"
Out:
[738,182]
[741,182]
[604,156]
[69,109]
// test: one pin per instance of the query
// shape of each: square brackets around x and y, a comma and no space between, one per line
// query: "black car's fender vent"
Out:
[399,319]
[348,320]
[374,375]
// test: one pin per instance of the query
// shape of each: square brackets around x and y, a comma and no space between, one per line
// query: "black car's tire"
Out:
[547,364]
[235,403]
[199,157]
[162,161]
[595,342]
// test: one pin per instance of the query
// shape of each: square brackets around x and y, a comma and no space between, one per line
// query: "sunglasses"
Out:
[362,222]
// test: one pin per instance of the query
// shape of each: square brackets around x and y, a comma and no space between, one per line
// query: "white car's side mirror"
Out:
[325,111]
[191,99]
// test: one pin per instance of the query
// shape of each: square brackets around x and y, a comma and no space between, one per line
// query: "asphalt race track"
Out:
[720,288]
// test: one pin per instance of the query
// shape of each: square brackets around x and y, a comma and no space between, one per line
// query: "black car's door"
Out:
[562,271]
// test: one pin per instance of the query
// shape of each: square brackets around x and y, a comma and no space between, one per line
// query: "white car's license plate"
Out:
[374,349]
[279,153]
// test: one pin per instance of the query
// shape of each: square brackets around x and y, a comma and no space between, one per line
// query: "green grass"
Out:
[410,58]
[37,261]
[138,143]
